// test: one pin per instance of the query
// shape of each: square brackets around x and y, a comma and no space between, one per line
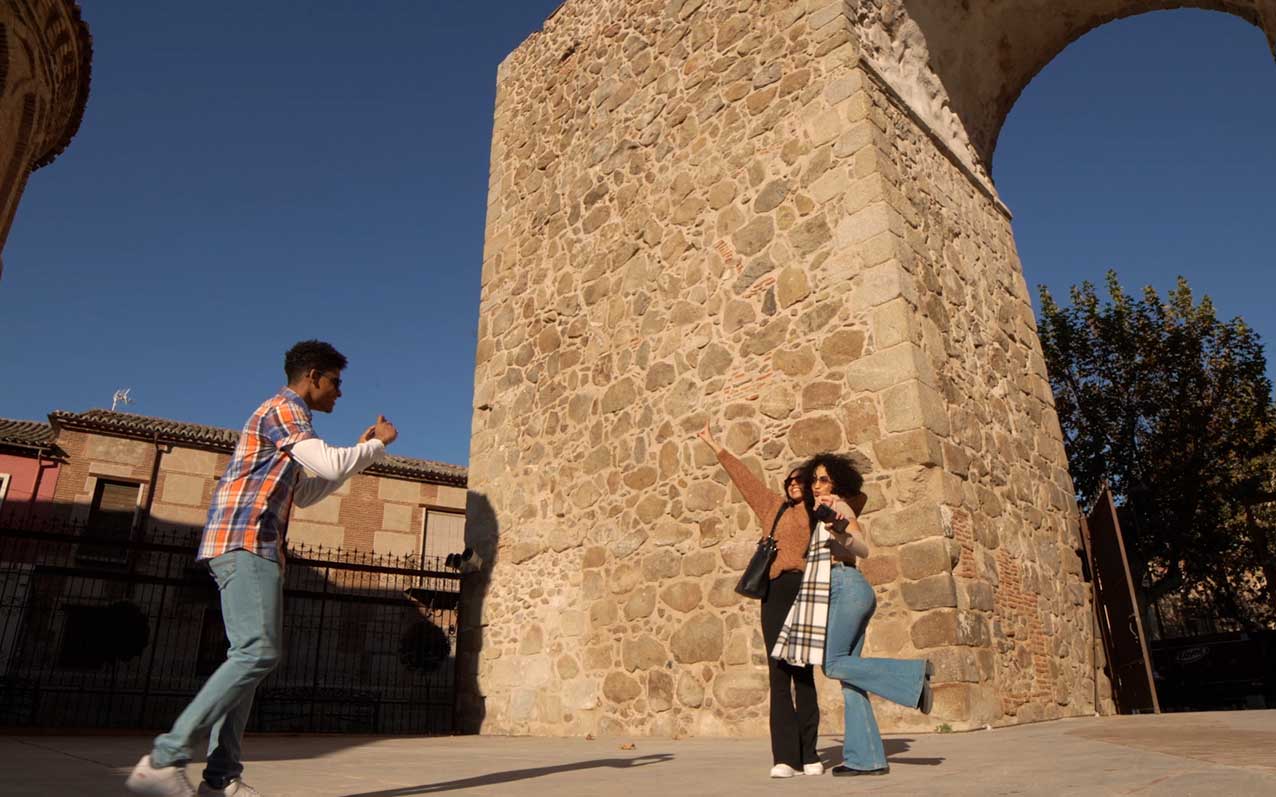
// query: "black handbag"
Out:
[756,577]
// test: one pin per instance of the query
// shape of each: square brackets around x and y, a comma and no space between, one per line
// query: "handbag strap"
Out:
[783,508]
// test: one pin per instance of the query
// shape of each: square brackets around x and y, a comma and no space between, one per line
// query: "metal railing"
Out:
[107,633]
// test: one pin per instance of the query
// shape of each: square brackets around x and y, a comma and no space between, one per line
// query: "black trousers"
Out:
[795,725]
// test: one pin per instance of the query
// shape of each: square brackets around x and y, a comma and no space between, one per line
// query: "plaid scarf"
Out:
[801,640]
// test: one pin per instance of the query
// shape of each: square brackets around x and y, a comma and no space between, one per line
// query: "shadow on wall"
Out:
[111,625]
[482,535]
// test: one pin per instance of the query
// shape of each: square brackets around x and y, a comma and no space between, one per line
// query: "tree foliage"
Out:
[1171,408]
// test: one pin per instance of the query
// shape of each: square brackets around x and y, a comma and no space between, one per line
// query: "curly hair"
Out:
[847,481]
[312,354]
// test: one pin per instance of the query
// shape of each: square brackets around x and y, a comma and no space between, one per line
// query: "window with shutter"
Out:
[110,520]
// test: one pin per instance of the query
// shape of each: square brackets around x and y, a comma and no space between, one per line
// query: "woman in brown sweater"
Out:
[794,724]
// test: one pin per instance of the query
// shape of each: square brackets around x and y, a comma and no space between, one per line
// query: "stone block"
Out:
[651,507]
[860,420]
[664,563]
[689,691]
[189,460]
[914,405]
[935,628]
[873,220]
[831,185]
[396,543]
[399,490]
[641,603]
[908,449]
[448,497]
[880,284]
[316,534]
[722,593]
[918,560]
[394,517]
[821,396]
[739,689]
[976,595]
[794,362]
[791,287]
[742,436]
[842,347]
[182,489]
[173,515]
[929,593]
[893,323]
[815,434]
[620,688]
[699,563]
[119,450]
[699,638]
[900,526]
[889,367]
[642,653]
[879,569]
[532,641]
[672,532]
[753,237]
[704,495]
[619,395]
[682,596]
[659,690]
[954,664]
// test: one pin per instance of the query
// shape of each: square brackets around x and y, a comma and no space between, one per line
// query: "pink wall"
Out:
[22,472]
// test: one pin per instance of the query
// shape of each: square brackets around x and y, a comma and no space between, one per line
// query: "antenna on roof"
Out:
[121,397]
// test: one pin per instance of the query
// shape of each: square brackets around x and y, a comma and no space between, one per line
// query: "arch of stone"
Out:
[775,216]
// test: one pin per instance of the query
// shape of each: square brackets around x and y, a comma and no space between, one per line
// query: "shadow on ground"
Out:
[833,754]
[495,778]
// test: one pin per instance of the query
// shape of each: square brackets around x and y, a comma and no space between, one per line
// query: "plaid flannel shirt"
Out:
[251,503]
[801,640]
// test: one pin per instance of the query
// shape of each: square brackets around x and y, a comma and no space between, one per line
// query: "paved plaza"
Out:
[1227,753]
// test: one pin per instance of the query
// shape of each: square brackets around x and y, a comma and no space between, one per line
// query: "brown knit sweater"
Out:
[792,535]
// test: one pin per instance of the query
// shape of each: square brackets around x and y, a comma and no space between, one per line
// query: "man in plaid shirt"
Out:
[243,546]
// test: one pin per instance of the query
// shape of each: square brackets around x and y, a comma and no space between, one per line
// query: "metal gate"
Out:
[107,633]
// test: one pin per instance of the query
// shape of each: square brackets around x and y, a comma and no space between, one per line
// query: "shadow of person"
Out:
[482,535]
[494,778]
[893,747]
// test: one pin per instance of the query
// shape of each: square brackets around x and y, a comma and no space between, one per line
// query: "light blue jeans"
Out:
[851,605]
[251,589]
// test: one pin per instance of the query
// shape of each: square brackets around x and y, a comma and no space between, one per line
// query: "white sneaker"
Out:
[158,781]
[813,769]
[782,771]
[236,787]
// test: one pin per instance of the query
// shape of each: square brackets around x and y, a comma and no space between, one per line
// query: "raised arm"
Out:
[333,465]
[764,503]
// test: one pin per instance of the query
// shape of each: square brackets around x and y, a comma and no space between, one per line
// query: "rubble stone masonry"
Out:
[727,211]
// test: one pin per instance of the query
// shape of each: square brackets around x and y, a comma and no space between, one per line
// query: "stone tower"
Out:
[774,215]
[45,53]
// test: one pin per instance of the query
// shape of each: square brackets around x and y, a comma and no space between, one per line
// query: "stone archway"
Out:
[961,66]
[775,216]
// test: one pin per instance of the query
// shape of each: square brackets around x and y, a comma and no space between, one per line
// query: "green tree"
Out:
[1171,408]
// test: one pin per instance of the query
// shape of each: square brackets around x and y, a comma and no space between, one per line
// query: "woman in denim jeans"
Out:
[834,482]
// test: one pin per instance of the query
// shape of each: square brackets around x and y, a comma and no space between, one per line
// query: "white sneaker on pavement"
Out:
[236,787]
[813,769]
[151,781]
[782,771]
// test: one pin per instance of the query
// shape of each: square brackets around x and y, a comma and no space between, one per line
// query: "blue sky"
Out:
[251,174]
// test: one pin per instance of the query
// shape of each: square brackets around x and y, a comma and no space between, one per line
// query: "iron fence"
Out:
[98,632]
